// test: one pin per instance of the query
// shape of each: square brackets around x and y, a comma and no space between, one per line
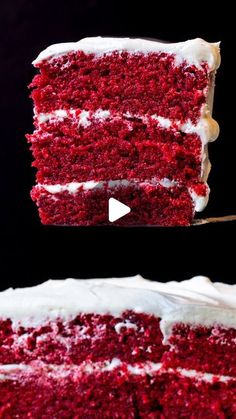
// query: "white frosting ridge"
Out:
[15,371]
[195,301]
[193,52]
[206,128]
[126,325]
[73,187]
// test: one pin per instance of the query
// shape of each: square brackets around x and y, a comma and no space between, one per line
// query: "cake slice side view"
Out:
[123,118]
[118,348]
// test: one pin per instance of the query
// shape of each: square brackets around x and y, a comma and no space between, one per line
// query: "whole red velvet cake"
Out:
[120,348]
[123,118]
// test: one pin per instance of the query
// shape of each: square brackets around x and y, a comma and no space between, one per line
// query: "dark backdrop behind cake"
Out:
[30,252]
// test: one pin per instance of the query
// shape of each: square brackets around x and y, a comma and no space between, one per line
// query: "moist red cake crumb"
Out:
[116,394]
[85,338]
[138,83]
[142,152]
[130,338]
[150,204]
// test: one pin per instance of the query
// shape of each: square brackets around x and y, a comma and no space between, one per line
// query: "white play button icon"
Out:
[116,210]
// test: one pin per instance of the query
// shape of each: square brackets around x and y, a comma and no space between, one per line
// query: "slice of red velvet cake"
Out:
[123,118]
[121,348]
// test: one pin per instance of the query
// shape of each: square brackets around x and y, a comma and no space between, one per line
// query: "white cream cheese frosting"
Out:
[73,187]
[193,52]
[206,128]
[194,301]
[17,371]
[199,201]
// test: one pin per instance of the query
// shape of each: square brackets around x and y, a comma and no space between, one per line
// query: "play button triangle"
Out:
[116,210]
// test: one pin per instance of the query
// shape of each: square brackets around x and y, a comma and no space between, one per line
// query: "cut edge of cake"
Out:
[196,52]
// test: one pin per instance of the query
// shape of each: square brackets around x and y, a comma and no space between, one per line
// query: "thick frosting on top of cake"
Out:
[194,52]
[194,301]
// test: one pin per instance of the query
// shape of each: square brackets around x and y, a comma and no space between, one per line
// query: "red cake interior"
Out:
[150,204]
[139,83]
[117,148]
[101,366]
[209,349]
[116,394]
[131,337]
[86,338]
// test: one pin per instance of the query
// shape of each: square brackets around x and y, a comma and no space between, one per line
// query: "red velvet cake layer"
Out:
[208,349]
[132,337]
[119,147]
[138,83]
[150,204]
[117,394]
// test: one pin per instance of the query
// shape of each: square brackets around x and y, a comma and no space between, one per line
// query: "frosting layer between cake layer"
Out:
[199,201]
[206,128]
[14,371]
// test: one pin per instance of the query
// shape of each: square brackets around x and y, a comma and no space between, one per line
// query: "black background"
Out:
[31,253]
